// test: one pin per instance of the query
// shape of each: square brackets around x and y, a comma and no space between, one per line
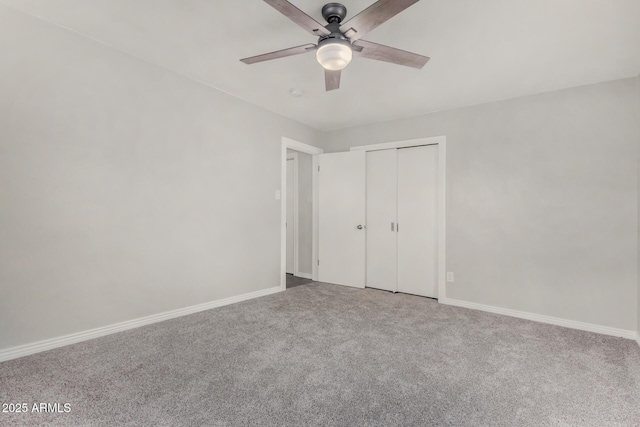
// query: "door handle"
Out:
[360,227]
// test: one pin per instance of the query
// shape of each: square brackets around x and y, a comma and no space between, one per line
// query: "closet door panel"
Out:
[341,218]
[417,220]
[382,183]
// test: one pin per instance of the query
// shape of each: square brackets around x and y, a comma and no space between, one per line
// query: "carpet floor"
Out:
[327,355]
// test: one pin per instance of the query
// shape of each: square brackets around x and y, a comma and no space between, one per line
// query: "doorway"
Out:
[298,213]
[292,212]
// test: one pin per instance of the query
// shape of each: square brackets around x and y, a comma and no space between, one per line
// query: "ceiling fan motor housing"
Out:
[333,13]
[335,34]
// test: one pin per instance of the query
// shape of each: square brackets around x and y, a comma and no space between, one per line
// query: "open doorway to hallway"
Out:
[298,213]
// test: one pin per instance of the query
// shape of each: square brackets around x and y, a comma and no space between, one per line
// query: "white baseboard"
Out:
[589,327]
[638,338]
[37,347]
[303,275]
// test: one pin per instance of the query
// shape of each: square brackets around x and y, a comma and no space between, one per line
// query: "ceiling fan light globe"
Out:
[334,55]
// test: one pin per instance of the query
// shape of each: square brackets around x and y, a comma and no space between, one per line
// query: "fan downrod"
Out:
[334,12]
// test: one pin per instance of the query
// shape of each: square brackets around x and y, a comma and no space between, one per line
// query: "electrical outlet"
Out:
[450,276]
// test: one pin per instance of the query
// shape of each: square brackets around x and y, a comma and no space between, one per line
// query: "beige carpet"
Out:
[320,354]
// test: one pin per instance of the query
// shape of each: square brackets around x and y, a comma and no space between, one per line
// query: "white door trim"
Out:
[290,144]
[441,141]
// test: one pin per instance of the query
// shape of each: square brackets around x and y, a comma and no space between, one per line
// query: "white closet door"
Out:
[382,187]
[417,219]
[341,218]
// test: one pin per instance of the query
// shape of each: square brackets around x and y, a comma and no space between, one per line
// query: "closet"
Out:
[401,220]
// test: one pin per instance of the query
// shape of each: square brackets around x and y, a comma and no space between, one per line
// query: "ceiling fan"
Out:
[338,42]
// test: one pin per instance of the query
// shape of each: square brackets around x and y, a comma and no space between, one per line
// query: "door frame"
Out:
[441,142]
[290,144]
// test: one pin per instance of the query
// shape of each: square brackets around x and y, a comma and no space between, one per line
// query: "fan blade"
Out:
[370,18]
[280,53]
[332,79]
[381,52]
[299,17]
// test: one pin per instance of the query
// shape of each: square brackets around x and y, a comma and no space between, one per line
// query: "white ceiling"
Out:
[480,51]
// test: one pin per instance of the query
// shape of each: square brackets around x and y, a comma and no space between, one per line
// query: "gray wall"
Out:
[125,190]
[541,200]
[638,108]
